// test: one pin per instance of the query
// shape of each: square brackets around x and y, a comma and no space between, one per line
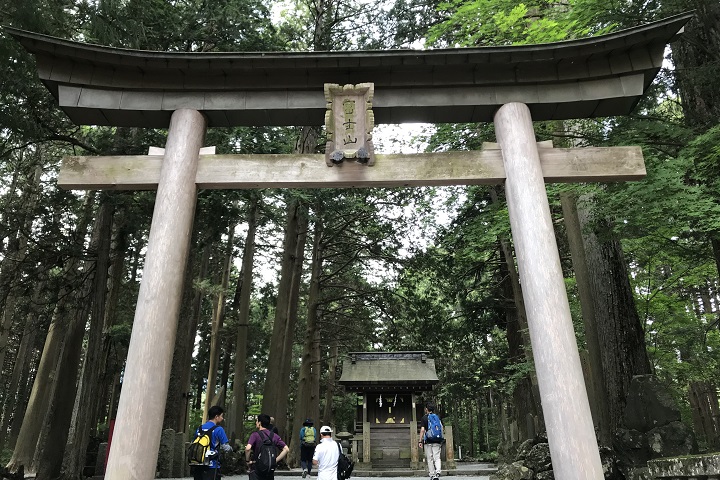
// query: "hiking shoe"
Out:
[304,473]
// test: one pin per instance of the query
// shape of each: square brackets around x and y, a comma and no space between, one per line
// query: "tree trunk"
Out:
[84,414]
[225,373]
[306,404]
[697,63]
[526,411]
[705,413]
[315,372]
[697,68]
[275,392]
[40,396]
[177,396]
[242,307]
[195,313]
[479,445]
[292,315]
[13,400]
[114,397]
[471,428]
[328,418]
[273,379]
[68,392]
[23,395]
[596,384]
[217,323]
[11,188]
[620,332]
[53,437]
[213,351]
[14,256]
[113,363]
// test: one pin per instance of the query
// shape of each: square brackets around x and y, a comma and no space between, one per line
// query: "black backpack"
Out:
[345,465]
[265,462]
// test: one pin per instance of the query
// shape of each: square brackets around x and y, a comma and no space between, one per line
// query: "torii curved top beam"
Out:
[598,76]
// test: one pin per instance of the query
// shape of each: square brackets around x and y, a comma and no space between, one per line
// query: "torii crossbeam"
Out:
[511,86]
[142,172]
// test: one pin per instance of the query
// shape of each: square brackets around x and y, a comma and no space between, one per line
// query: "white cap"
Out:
[325,429]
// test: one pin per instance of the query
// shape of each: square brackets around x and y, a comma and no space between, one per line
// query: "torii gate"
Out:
[511,86]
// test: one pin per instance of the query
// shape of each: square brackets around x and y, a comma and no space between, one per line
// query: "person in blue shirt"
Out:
[308,439]
[219,442]
[432,447]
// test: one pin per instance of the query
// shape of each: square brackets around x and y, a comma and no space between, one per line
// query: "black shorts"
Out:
[254,476]
[205,473]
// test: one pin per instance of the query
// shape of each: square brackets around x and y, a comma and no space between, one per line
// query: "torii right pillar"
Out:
[571,436]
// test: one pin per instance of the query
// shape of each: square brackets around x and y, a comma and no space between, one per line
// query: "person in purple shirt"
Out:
[219,441]
[256,440]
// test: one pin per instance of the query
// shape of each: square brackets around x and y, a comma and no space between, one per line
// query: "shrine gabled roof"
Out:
[597,76]
[371,371]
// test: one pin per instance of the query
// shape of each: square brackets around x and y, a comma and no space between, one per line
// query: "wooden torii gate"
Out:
[511,86]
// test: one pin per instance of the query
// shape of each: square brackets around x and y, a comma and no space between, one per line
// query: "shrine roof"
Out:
[597,76]
[376,371]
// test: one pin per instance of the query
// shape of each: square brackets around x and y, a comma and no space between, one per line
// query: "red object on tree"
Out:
[110,434]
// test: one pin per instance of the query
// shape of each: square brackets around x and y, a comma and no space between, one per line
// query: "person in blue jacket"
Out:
[308,440]
[219,442]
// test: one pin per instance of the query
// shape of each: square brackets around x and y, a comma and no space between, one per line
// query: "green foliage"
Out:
[483,23]
[196,418]
[344,25]
[5,455]
[704,153]
[404,24]
[120,334]
[345,409]
[180,26]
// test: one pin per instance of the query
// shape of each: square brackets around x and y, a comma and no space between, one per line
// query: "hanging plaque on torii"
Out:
[349,121]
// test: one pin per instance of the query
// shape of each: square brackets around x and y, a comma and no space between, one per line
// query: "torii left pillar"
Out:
[136,437]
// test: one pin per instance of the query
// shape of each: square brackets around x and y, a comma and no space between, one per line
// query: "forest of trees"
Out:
[282,284]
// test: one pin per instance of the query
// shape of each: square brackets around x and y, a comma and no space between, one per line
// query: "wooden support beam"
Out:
[142,172]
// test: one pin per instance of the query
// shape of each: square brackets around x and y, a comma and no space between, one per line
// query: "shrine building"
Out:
[392,388]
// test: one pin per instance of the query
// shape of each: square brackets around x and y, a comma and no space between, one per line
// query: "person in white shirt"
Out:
[326,455]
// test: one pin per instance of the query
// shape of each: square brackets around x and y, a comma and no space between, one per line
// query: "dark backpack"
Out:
[345,466]
[265,462]
[434,433]
[198,450]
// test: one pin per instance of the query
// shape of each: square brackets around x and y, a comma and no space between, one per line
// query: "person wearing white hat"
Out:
[326,455]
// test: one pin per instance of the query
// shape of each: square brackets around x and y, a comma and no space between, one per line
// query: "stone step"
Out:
[480,470]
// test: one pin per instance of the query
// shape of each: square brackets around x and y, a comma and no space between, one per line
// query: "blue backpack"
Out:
[434,433]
